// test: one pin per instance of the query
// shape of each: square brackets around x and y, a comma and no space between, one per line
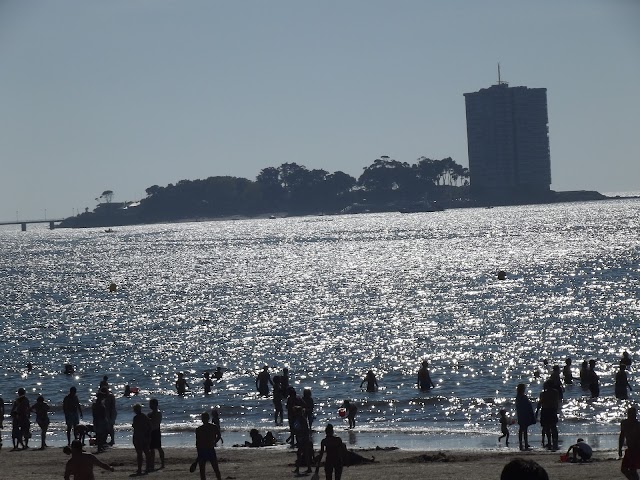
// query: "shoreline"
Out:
[276,463]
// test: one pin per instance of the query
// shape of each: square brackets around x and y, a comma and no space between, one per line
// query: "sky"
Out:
[124,94]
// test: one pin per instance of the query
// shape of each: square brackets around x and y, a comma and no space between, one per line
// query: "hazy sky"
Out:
[125,94]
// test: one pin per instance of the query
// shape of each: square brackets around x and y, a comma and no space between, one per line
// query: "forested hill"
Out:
[384,185]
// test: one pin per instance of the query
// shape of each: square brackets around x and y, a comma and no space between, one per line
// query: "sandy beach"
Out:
[277,463]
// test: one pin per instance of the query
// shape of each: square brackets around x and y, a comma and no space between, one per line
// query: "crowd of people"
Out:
[300,418]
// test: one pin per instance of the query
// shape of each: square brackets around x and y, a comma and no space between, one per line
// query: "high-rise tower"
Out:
[508,141]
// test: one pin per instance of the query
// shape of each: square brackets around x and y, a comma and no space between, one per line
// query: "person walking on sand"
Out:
[207,435]
[141,436]
[80,465]
[424,379]
[72,413]
[371,381]
[155,438]
[622,383]
[630,432]
[335,448]
[42,419]
[526,417]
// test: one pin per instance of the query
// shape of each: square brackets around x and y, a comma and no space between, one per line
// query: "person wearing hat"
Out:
[81,464]
[581,450]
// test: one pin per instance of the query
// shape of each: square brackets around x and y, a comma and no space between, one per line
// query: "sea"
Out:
[331,297]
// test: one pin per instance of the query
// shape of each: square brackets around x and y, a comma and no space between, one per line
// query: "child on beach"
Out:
[504,427]
[351,411]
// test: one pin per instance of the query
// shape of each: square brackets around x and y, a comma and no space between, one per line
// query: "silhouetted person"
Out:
[141,426]
[424,379]
[352,410]
[181,384]
[256,439]
[208,383]
[80,465]
[630,432]
[521,469]
[504,427]
[626,359]
[278,396]
[42,419]
[585,376]
[594,380]
[112,413]
[303,438]
[526,417]
[21,411]
[309,404]
[263,380]
[549,403]
[207,435]
[155,437]
[566,372]
[370,380]
[580,449]
[622,383]
[72,413]
[100,422]
[335,449]
[554,378]
[218,373]
[284,379]
[104,383]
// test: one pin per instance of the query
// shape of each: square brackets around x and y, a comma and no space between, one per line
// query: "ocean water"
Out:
[331,297]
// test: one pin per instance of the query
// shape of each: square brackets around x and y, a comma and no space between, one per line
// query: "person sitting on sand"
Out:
[207,435]
[80,465]
[580,449]
[424,379]
[42,418]
[630,433]
[521,469]
[335,449]
[370,380]
[256,439]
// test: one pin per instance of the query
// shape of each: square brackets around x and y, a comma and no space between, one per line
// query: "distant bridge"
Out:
[23,223]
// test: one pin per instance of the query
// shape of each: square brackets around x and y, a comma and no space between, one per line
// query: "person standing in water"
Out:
[424,379]
[263,380]
[622,383]
[181,384]
[370,380]
[566,372]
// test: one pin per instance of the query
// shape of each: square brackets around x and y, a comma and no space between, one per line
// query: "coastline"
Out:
[277,462]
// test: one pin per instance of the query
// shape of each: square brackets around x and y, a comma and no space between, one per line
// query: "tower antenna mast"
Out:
[500,82]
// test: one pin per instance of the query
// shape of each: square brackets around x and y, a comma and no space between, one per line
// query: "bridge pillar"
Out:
[24,227]
[51,226]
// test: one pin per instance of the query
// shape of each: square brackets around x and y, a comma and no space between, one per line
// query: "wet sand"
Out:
[277,463]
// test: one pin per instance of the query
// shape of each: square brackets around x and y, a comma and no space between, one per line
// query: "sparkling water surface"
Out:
[331,297]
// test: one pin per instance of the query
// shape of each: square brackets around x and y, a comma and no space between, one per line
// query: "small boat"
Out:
[109,230]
